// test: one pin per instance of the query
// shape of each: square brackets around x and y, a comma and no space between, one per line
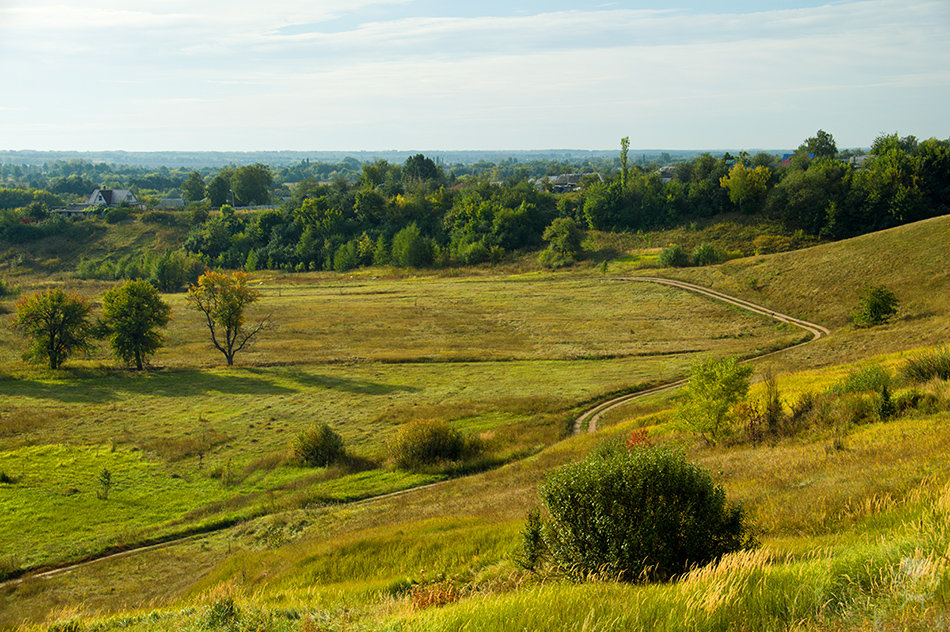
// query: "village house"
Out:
[112,197]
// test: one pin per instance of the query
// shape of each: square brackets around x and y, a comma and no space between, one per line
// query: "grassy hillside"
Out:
[852,510]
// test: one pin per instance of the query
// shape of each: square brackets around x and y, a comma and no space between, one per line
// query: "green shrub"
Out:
[117,214]
[876,306]
[674,257]
[707,254]
[870,378]
[927,366]
[634,515]
[426,442]
[319,446]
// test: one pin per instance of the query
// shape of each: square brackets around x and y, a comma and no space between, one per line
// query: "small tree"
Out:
[57,325]
[222,299]
[633,515]
[564,243]
[132,315]
[714,386]
[876,306]
[319,446]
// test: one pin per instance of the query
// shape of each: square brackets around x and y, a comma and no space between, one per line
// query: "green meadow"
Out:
[852,509]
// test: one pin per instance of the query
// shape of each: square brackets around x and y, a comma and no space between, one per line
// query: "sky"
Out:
[246,75]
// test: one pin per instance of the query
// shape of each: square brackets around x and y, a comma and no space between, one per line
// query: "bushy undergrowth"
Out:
[928,366]
[638,514]
[320,446]
[425,443]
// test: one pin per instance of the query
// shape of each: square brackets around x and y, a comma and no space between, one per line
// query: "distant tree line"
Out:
[421,213]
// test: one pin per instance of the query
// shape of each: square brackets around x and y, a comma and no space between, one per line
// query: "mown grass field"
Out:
[853,513]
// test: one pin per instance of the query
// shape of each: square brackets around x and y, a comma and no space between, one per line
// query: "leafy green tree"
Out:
[714,387]
[410,249]
[876,306]
[624,149]
[219,190]
[633,514]
[132,316]
[421,168]
[564,243]
[56,324]
[747,187]
[822,144]
[193,188]
[222,299]
[251,184]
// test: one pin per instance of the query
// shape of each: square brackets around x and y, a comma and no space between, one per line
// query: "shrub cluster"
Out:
[703,255]
[638,514]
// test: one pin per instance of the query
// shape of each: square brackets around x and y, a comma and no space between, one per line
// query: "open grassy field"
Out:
[852,511]
[190,446]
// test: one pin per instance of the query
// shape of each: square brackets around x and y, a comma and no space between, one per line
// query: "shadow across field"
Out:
[188,383]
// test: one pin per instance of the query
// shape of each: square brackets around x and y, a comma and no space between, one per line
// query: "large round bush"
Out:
[634,515]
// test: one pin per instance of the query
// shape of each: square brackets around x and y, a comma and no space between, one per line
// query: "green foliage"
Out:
[564,243]
[927,366]
[193,188]
[319,446]
[56,324]
[707,254]
[222,299]
[747,187]
[105,483]
[870,378]
[174,271]
[116,214]
[876,306]
[132,315]
[673,257]
[714,387]
[645,514]
[822,144]
[410,249]
[886,407]
[426,442]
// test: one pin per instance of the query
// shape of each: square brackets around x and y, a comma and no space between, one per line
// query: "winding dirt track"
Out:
[591,416]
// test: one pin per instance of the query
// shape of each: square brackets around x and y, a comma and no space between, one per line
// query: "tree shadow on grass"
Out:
[78,387]
[349,385]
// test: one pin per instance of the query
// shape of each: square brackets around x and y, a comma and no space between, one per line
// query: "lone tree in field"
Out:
[57,325]
[876,306]
[714,386]
[132,315]
[222,299]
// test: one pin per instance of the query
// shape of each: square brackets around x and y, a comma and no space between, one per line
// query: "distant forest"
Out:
[421,211]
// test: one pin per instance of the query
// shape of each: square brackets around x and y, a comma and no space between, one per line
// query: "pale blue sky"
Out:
[425,74]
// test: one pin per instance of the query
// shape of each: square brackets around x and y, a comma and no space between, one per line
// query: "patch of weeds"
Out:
[927,366]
